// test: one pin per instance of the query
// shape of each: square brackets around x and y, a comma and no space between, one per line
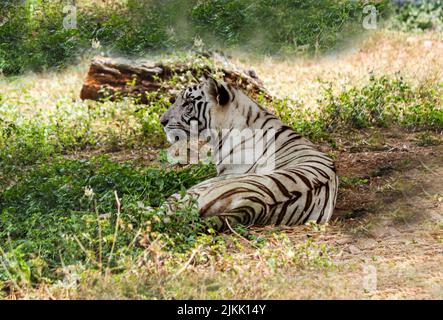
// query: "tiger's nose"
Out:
[163,120]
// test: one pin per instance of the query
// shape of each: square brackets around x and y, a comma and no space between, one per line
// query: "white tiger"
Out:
[290,182]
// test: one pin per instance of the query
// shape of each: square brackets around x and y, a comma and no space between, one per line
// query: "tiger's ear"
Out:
[218,91]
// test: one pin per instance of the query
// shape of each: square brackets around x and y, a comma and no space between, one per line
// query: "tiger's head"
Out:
[206,103]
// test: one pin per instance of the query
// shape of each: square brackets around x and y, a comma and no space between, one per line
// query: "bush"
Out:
[383,102]
[413,15]
[32,36]
[66,212]
[297,26]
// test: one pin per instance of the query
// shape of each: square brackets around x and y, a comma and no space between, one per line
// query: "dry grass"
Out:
[416,57]
[44,89]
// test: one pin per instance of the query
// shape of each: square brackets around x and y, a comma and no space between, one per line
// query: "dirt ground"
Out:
[389,218]
[397,216]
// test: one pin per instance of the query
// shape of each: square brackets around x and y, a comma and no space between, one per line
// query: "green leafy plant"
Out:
[418,15]
[384,101]
[64,211]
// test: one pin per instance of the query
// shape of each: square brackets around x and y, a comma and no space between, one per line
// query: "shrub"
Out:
[413,15]
[384,101]
[66,212]
[32,36]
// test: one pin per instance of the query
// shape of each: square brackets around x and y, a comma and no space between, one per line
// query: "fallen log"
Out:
[113,78]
